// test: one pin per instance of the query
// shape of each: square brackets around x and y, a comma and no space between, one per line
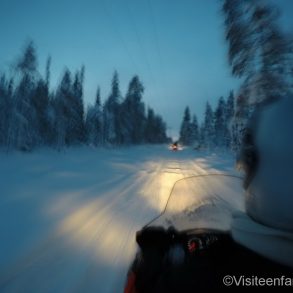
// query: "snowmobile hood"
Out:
[204,201]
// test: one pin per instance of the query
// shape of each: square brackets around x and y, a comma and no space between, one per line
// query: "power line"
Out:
[140,44]
[157,45]
[153,20]
[119,35]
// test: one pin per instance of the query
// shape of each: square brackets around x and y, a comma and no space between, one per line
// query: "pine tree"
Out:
[221,130]
[230,106]
[70,110]
[98,102]
[94,126]
[155,128]
[52,111]
[27,63]
[259,53]
[133,113]
[230,111]
[149,126]
[185,129]
[62,107]
[77,108]
[209,127]
[99,118]
[31,115]
[111,114]
[239,121]
[48,71]
[159,130]
[274,55]
[22,129]
[5,108]
[202,136]
[40,102]
[194,131]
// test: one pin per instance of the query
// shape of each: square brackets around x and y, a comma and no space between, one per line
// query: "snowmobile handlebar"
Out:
[158,237]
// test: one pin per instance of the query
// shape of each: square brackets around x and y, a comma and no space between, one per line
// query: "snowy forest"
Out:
[31,115]
[260,54]
[214,131]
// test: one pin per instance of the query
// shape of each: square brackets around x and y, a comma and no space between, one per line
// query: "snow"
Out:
[68,219]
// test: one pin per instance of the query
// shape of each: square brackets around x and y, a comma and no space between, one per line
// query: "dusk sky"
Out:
[176,47]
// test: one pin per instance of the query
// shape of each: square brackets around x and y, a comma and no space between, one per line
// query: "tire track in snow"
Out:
[76,225]
[91,215]
[95,242]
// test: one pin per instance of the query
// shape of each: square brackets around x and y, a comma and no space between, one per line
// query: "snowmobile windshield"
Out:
[204,201]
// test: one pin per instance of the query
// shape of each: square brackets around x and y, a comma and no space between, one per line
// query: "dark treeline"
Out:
[31,115]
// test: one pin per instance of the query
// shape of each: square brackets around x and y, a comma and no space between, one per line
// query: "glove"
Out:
[155,237]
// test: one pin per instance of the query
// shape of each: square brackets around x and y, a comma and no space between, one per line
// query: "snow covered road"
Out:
[68,220]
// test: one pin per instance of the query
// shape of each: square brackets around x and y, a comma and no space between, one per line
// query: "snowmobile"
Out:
[188,247]
[174,146]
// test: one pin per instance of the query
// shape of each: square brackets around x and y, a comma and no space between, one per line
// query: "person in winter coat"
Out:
[260,242]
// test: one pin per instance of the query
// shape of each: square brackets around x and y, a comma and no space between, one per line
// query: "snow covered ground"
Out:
[68,220]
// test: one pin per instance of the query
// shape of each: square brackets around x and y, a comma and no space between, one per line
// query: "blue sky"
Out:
[176,47]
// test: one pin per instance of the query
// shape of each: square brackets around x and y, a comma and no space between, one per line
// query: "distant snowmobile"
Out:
[174,146]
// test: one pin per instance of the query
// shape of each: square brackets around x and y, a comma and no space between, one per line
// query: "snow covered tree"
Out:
[94,126]
[28,63]
[201,135]
[133,113]
[189,131]
[48,70]
[194,131]
[259,52]
[77,108]
[221,130]
[40,102]
[185,129]
[5,107]
[149,134]
[22,133]
[31,115]
[275,50]
[230,111]
[70,110]
[63,113]
[155,128]
[230,106]
[160,130]
[208,131]
[111,114]
[241,115]
[52,111]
